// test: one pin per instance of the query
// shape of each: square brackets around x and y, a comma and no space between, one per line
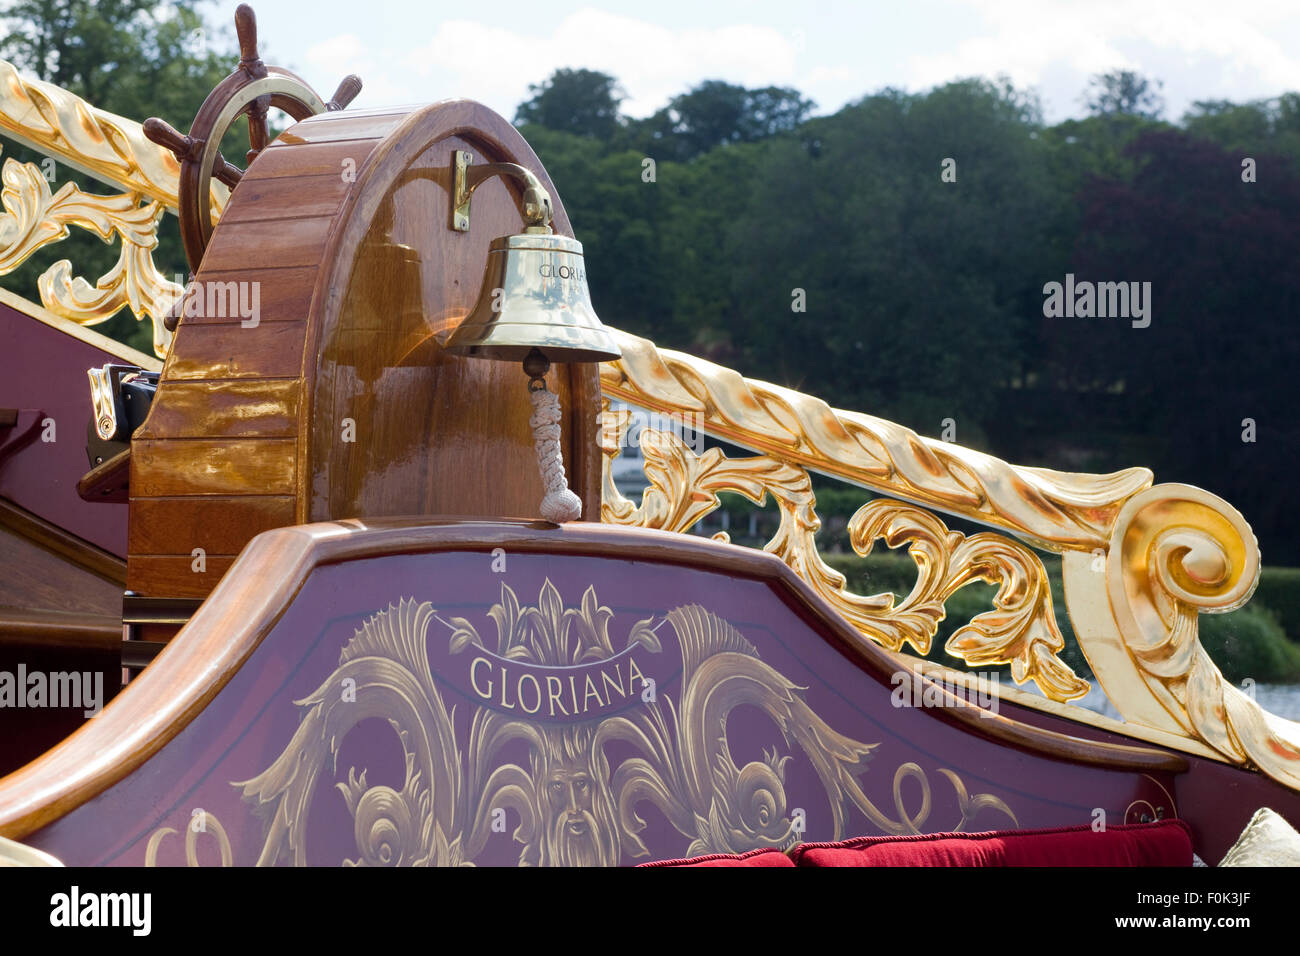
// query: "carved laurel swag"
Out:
[1019,630]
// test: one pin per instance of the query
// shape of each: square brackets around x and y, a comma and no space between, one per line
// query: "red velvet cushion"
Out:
[752,858]
[1163,843]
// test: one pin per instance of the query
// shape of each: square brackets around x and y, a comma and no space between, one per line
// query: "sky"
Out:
[415,51]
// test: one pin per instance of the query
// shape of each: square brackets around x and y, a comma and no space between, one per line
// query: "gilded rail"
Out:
[1140,563]
[112,149]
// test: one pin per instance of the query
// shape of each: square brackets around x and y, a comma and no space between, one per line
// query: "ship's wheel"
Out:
[253,89]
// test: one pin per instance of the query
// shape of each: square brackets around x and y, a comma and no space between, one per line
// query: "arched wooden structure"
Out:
[338,402]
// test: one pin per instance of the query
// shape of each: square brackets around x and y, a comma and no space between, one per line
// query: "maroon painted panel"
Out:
[428,709]
[44,370]
[1215,798]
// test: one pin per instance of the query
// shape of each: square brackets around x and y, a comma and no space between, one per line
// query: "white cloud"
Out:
[336,57]
[1198,44]
[652,63]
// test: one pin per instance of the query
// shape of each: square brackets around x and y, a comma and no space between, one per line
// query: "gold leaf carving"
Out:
[1178,551]
[1056,509]
[32,217]
[1020,630]
[109,147]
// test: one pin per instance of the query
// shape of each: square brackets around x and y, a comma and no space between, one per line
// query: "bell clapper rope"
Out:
[560,504]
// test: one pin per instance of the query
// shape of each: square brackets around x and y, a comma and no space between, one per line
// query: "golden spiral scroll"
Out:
[1177,551]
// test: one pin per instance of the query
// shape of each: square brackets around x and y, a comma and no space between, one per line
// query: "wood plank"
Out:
[219,525]
[179,466]
[286,242]
[315,159]
[24,627]
[297,197]
[225,350]
[244,408]
[33,577]
[283,295]
[174,575]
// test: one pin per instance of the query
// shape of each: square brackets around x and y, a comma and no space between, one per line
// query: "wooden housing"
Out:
[338,402]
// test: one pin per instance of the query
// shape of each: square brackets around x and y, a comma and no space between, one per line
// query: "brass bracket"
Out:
[466,177]
[462,159]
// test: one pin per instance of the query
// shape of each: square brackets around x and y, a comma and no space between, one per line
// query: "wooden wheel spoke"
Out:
[232,97]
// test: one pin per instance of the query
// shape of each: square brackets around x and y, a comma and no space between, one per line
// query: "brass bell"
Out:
[534,309]
[534,296]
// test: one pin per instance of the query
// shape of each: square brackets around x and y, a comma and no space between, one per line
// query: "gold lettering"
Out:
[503,691]
[573,691]
[609,682]
[519,692]
[473,677]
[553,691]
[592,691]
[635,678]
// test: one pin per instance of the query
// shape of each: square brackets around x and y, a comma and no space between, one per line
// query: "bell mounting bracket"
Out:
[466,177]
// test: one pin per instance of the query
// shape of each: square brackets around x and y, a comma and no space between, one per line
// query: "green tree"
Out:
[1124,92]
[583,102]
[716,113]
[917,289]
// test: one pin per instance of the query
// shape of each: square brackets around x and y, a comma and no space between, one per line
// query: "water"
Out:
[1280,699]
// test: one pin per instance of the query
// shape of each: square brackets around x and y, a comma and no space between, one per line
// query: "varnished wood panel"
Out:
[312,159]
[285,242]
[283,294]
[55,540]
[220,525]
[209,466]
[33,577]
[228,350]
[245,408]
[350,298]
[463,446]
[174,575]
[299,197]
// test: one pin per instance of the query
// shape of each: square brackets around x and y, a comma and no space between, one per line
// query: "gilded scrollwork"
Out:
[1176,552]
[1055,509]
[33,217]
[1019,630]
[573,806]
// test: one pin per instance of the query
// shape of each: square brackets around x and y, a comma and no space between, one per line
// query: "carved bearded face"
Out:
[575,809]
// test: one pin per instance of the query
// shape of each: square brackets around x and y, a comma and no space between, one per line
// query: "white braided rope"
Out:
[560,504]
